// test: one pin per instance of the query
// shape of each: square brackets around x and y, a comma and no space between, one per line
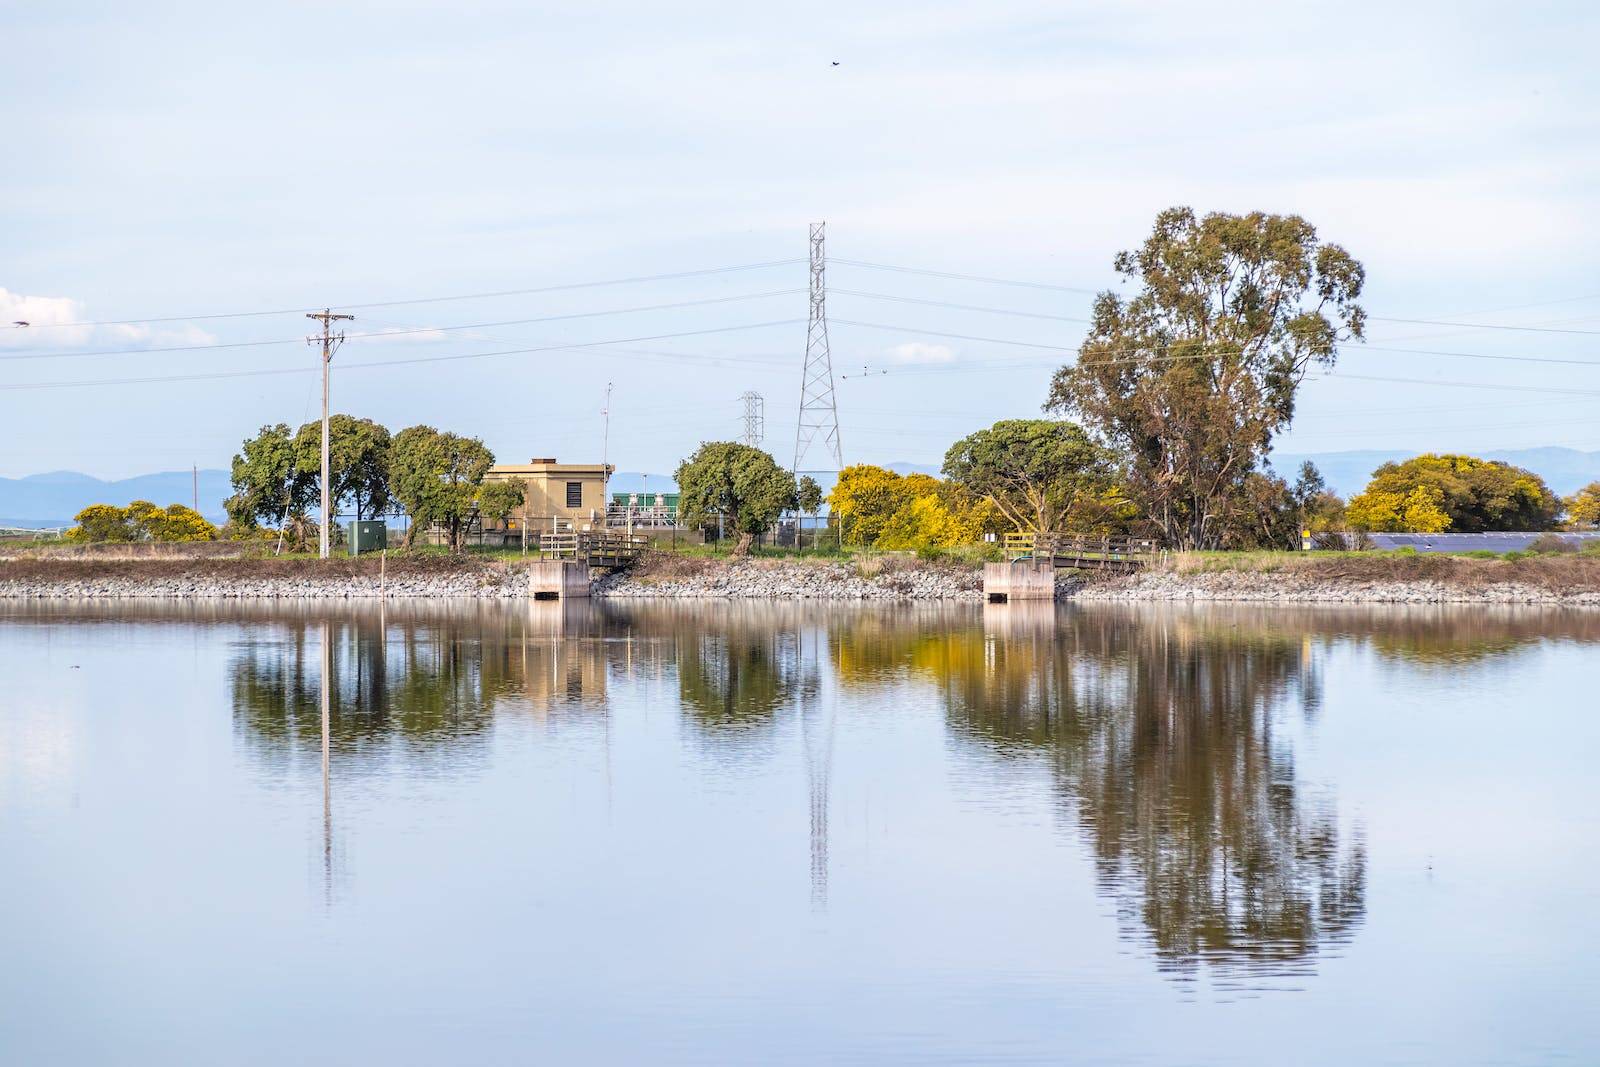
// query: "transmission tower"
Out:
[755,419]
[819,410]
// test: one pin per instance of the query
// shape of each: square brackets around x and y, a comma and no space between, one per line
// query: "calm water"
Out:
[740,833]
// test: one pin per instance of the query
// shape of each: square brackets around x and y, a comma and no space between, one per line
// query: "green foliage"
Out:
[880,508]
[742,485]
[358,464]
[268,485]
[808,495]
[1583,507]
[1043,475]
[101,523]
[498,500]
[436,477]
[140,521]
[1191,378]
[1464,494]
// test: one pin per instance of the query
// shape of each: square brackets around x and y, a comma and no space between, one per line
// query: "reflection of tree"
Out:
[416,684]
[1162,738]
[736,669]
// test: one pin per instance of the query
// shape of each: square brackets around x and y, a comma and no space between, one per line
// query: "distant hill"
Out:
[1566,469]
[53,499]
[642,482]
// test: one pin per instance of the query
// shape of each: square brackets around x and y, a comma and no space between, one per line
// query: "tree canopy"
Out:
[742,485]
[140,521]
[1463,494]
[885,509]
[358,463]
[1190,378]
[1041,474]
[268,483]
[436,476]
[1583,507]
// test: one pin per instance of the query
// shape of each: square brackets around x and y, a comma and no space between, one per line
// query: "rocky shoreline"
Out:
[878,579]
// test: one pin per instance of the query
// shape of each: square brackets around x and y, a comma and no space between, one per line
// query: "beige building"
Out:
[560,496]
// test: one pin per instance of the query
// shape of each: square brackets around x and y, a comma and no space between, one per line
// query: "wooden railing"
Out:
[599,548]
[1065,550]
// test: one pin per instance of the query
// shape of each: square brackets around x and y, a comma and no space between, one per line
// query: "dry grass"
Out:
[1558,573]
[79,568]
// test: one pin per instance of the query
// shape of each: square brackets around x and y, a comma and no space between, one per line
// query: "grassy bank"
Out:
[1570,571]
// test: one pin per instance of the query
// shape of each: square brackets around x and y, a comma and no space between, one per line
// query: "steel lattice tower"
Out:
[755,419]
[819,409]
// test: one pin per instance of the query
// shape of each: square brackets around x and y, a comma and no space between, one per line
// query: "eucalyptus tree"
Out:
[1192,376]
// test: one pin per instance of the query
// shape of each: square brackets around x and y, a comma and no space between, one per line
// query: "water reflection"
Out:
[1168,736]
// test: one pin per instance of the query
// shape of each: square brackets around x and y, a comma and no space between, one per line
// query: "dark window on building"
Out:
[574,494]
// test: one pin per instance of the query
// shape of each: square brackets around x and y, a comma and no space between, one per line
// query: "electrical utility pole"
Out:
[605,459]
[819,410]
[330,343]
[755,419]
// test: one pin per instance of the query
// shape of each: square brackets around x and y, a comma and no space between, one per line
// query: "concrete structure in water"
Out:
[558,579]
[1022,580]
[561,497]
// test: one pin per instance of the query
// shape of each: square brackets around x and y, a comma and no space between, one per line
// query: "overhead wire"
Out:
[565,347]
[636,279]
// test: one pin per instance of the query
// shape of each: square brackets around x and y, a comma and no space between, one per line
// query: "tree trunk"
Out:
[742,546]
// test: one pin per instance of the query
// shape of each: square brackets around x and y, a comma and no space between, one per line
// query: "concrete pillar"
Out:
[558,579]
[1023,580]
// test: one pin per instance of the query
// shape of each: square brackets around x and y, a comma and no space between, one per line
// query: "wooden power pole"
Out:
[330,343]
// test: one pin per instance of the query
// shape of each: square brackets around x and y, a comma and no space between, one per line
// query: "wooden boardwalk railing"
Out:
[1079,552]
[598,548]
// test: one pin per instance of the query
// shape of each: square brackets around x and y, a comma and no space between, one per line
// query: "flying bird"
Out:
[19,322]
[836,62]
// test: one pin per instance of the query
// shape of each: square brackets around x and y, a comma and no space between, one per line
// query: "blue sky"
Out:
[202,159]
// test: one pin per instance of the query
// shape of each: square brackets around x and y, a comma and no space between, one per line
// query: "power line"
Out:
[411,330]
[1095,292]
[966,277]
[1486,326]
[959,307]
[570,347]
[429,299]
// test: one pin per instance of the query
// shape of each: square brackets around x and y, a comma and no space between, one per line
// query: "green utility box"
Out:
[368,536]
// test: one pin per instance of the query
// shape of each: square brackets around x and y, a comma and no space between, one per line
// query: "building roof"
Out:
[551,467]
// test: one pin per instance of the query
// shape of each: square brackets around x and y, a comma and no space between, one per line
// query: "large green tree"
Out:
[268,482]
[436,477]
[1463,494]
[741,485]
[358,462]
[1038,472]
[1190,378]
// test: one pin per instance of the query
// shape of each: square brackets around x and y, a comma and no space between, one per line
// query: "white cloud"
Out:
[47,318]
[44,316]
[920,352]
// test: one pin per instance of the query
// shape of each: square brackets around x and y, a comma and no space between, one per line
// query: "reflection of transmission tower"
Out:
[819,411]
[755,419]
[816,725]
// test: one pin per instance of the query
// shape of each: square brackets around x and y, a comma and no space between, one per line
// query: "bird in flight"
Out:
[836,62]
[19,322]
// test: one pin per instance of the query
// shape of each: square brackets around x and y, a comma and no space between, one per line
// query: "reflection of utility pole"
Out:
[327,797]
[330,342]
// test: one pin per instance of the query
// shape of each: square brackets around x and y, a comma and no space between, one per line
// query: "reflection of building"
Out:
[560,496]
